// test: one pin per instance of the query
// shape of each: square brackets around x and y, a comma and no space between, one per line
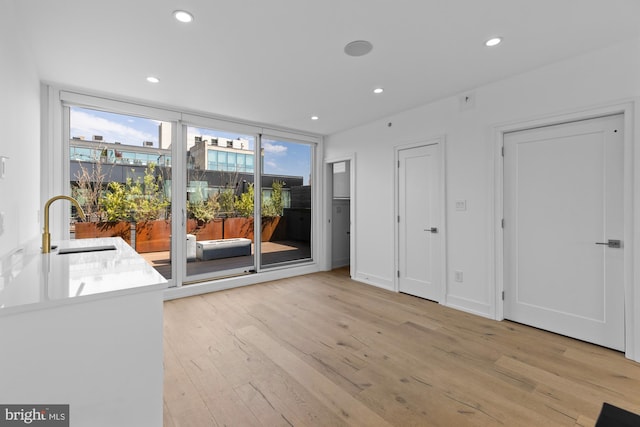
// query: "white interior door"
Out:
[419,224]
[563,200]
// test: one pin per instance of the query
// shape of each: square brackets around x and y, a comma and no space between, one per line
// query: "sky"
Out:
[128,130]
[280,157]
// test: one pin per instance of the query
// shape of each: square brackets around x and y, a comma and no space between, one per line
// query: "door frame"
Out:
[630,112]
[441,141]
[328,211]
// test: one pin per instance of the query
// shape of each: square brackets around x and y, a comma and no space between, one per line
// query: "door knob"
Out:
[432,229]
[611,243]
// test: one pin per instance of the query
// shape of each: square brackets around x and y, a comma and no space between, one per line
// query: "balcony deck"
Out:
[272,253]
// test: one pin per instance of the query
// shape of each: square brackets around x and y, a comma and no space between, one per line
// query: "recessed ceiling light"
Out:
[378,90]
[494,41]
[183,16]
[358,48]
[152,79]
[314,117]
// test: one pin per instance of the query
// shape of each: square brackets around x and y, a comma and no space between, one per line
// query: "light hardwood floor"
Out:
[322,350]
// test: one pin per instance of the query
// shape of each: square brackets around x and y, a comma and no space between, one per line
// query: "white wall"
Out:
[19,135]
[594,79]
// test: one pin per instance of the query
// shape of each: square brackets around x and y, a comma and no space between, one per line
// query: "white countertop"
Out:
[30,280]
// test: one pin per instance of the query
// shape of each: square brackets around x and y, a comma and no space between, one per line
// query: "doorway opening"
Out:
[341,214]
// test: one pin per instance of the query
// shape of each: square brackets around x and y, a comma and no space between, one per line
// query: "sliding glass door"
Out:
[248,203]
[286,207]
[220,171]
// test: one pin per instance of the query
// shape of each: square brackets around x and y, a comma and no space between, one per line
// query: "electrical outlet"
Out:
[457,276]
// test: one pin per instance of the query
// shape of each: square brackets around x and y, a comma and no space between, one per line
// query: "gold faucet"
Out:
[46,237]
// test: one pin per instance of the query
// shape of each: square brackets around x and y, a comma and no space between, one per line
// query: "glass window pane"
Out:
[222,160]
[105,149]
[231,161]
[286,207]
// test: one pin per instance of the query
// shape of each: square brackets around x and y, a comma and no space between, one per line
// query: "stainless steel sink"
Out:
[86,249]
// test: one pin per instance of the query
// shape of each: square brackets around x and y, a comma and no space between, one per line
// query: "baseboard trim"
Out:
[469,306]
[373,280]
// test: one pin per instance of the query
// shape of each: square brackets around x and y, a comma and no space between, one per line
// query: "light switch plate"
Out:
[458,276]
[461,205]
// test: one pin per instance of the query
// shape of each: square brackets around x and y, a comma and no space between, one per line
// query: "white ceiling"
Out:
[281,61]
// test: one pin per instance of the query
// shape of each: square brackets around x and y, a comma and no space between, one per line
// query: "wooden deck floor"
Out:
[323,350]
[272,252]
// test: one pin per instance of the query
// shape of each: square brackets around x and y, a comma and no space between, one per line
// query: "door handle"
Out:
[611,243]
[432,229]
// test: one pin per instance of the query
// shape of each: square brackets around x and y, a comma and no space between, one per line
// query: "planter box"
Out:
[211,230]
[272,228]
[88,230]
[238,227]
[153,236]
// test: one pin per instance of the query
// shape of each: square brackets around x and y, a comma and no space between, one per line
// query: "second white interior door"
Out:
[563,216]
[419,225]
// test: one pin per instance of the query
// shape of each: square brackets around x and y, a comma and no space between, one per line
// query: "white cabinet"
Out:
[100,353]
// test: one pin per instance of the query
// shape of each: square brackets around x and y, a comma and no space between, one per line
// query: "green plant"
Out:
[267,209]
[227,195]
[140,200]
[116,203]
[88,190]
[276,196]
[244,203]
[273,205]
[204,210]
[147,196]
[227,200]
